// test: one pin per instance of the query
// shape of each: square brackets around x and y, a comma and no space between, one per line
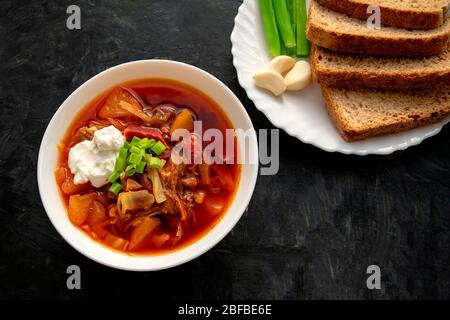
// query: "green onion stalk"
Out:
[284,24]
[270,27]
[300,16]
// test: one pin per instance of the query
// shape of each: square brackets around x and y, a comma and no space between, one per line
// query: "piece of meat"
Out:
[161,115]
[84,133]
[170,175]
[170,205]
[199,196]
[146,182]
[187,198]
[189,181]
[178,200]
[118,124]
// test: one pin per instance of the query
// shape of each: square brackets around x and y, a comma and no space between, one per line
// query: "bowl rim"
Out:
[196,251]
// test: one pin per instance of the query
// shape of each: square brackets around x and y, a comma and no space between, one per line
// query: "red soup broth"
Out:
[153,92]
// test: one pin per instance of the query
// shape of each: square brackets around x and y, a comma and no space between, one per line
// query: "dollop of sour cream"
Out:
[94,160]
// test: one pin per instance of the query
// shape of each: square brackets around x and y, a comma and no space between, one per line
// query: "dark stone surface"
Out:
[310,232]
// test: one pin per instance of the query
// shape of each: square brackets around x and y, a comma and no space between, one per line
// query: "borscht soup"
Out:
[122,181]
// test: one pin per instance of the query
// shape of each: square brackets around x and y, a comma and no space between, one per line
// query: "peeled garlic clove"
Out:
[282,64]
[299,77]
[270,80]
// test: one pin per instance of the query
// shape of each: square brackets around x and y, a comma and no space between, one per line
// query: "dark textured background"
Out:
[310,232]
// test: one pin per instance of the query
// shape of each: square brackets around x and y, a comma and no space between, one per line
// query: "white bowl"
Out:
[48,157]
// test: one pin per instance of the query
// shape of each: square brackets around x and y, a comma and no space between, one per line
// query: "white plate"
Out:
[303,114]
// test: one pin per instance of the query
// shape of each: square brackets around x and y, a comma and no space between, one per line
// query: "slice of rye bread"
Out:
[361,114]
[345,70]
[338,32]
[407,14]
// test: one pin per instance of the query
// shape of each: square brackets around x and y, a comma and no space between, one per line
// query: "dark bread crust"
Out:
[361,44]
[391,16]
[351,78]
[403,124]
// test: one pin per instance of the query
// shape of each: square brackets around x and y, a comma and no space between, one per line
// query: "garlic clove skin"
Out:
[299,77]
[282,64]
[270,80]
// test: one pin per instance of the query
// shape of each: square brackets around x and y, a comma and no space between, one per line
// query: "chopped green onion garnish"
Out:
[130,170]
[135,158]
[115,188]
[158,148]
[123,152]
[114,176]
[142,142]
[147,159]
[135,149]
[152,143]
[140,167]
[120,164]
[134,141]
[145,143]
[155,163]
